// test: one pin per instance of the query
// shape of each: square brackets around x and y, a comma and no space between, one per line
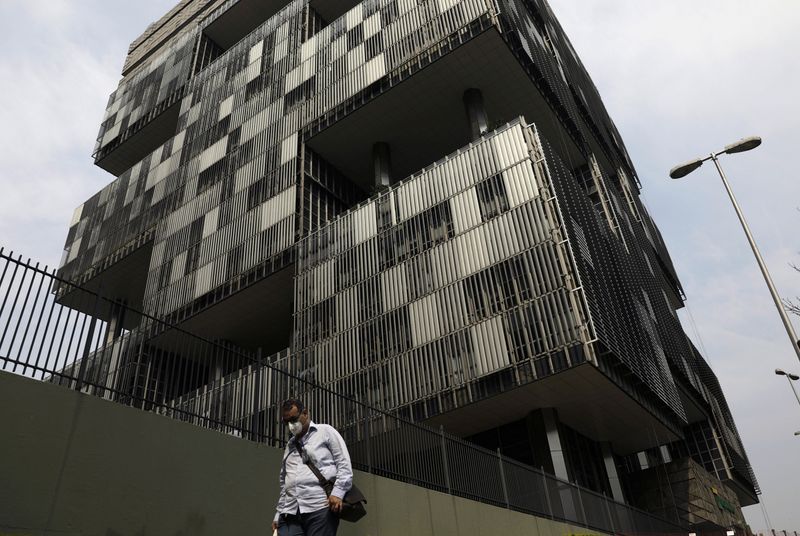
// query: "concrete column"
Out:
[611,471]
[113,333]
[381,165]
[115,321]
[550,418]
[476,113]
[554,443]
[215,371]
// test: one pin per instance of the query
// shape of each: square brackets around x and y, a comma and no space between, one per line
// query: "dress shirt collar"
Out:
[311,426]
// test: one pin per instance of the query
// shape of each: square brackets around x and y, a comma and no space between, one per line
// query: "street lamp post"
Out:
[790,378]
[743,145]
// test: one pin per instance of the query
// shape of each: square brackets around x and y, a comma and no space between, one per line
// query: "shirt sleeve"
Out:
[344,469]
[282,480]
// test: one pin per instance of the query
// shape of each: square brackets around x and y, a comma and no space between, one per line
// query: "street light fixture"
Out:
[791,378]
[742,145]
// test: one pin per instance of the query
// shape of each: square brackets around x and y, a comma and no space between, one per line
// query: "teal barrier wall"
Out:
[73,464]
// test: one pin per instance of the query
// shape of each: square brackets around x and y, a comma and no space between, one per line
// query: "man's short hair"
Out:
[289,403]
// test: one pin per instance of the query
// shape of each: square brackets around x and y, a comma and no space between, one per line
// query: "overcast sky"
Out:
[680,78]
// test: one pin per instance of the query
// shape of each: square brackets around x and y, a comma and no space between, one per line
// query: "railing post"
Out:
[367,434]
[444,461]
[28,325]
[503,477]
[580,503]
[547,495]
[16,297]
[610,516]
[255,432]
[87,348]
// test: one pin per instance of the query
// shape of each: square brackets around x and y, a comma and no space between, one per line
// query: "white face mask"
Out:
[295,428]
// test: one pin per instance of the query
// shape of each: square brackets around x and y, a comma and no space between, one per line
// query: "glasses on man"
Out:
[292,420]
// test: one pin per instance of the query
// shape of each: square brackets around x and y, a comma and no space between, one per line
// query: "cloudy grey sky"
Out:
[680,78]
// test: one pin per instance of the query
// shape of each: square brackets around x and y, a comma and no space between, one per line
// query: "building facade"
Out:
[422,205]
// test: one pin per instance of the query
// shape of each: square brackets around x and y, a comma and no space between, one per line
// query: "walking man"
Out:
[303,508]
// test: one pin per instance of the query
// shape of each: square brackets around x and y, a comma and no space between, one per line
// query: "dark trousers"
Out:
[320,523]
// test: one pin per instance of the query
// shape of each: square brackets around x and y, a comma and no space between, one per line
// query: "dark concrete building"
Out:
[424,205]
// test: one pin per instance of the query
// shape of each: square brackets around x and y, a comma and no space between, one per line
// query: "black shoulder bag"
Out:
[352,502]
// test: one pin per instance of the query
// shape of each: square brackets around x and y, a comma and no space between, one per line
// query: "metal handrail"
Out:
[166,369]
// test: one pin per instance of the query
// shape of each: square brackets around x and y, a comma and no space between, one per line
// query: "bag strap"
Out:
[303,456]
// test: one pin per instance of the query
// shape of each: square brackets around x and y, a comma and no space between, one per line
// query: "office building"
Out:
[423,205]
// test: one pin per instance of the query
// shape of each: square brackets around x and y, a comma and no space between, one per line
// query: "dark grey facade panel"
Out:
[238,126]
[456,273]
[623,322]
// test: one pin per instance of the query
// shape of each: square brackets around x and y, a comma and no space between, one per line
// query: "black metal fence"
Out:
[52,330]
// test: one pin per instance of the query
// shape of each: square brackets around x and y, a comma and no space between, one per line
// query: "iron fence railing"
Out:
[86,342]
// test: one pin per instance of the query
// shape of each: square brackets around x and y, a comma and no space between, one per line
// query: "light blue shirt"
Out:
[300,489]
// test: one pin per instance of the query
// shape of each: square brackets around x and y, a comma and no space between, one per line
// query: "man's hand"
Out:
[274,526]
[335,504]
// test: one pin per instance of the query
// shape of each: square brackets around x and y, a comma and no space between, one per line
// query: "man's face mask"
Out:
[295,427]
[294,424]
